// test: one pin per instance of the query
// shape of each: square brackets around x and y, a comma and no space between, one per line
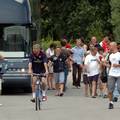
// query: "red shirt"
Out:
[68,45]
[105,46]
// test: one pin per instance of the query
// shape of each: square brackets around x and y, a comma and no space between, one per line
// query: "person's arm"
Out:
[45,64]
[30,68]
[116,65]
[30,65]
[1,57]
[46,68]
[86,64]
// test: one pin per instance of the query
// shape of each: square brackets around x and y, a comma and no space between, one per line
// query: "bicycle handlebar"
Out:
[39,75]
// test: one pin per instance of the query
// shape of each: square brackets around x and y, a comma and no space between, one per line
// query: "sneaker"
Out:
[105,96]
[111,106]
[115,99]
[44,98]
[61,94]
[32,100]
[93,96]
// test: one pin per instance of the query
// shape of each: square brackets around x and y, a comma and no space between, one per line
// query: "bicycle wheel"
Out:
[39,104]
[36,103]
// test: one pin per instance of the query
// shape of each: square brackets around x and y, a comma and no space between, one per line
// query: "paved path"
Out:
[72,106]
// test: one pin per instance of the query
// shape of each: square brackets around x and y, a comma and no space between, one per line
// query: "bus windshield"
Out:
[14,42]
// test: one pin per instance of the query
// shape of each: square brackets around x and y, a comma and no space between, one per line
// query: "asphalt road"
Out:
[72,106]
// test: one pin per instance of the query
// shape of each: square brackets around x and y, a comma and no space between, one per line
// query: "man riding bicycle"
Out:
[38,65]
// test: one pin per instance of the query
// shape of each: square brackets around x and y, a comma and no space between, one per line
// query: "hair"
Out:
[100,49]
[92,49]
[53,45]
[36,46]
[82,40]
[113,43]
[63,43]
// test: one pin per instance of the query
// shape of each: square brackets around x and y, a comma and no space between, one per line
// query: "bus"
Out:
[15,44]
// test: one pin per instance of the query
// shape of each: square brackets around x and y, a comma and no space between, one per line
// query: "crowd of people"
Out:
[97,64]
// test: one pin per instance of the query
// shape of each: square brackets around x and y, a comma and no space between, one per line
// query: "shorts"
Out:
[111,83]
[59,77]
[85,79]
[93,78]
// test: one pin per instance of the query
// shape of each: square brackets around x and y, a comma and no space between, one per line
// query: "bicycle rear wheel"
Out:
[39,104]
[36,103]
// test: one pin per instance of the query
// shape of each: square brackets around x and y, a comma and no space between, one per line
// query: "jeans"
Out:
[115,93]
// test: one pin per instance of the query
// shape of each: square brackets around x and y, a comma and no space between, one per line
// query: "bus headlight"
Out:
[23,70]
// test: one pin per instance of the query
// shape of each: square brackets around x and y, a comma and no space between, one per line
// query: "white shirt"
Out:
[49,52]
[114,59]
[92,64]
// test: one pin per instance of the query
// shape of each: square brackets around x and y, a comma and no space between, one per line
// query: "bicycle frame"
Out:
[38,91]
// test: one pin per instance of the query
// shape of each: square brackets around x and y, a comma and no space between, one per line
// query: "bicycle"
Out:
[38,91]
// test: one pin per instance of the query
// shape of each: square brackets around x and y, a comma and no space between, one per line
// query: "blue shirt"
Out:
[78,54]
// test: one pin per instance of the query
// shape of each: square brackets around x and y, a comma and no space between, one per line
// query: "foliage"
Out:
[115,11]
[72,18]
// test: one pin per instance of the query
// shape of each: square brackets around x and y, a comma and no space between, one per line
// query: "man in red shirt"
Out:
[105,44]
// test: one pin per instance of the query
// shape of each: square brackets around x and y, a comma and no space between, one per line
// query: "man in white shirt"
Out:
[114,73]
[93,68]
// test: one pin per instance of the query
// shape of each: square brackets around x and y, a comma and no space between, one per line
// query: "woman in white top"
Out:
[50,52]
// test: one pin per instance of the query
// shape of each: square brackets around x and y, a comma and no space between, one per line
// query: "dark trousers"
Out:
[76,74]
[66,75]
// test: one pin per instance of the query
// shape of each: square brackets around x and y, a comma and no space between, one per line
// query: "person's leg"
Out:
[104,86]
[86,90]
[49,81]
[52,81]
[57,89]
[74,73]
[118,86]
[111,86]
[44,85]
[66,75]
[94,85]
[105,90]
[100,87]
[90,85]
[79,75]
[56,78]
[115,93]
[33,86]
[86,84]
[61,82]
[93,88]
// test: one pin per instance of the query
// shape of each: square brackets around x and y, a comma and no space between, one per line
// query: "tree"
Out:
[115,15]
[73,18]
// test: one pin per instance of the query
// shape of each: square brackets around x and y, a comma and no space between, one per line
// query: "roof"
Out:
[15,12]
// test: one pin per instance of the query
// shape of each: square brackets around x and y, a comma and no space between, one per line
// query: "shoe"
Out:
[111,106]
[61,94]
[53,89]
[115,99]
[78,87]
[33,100]
[105,96]
[49,88]
[93,96]
[44,98]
